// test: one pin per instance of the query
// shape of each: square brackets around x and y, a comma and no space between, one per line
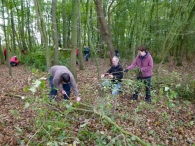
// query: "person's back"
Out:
[14,61]
[86,52]
[58,79]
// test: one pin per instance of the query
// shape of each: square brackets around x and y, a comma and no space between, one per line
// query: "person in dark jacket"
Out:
[117,53]
[144,63]
[62,79]
[115,73]
[86,52]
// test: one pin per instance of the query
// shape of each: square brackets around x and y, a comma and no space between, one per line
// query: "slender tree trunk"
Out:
[22,26]
[28,26]
[81,66]
[64,23]
[18,35]
[91,43]
[13,32]
[74,20]
[54,32]
[5,32]
[105,32]
[1,53]
[43,32]
[184,38]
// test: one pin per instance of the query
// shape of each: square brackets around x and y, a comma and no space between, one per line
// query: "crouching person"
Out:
[14,61]
[115,73]
[62,79]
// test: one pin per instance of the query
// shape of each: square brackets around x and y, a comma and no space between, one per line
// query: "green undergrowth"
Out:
[107,120]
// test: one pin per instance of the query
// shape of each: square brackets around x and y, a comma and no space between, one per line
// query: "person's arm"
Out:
[74,85]
[134,64]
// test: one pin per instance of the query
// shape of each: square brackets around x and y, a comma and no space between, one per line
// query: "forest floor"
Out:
[156,124]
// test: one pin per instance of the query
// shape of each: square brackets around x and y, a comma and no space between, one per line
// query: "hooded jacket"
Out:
[145,63]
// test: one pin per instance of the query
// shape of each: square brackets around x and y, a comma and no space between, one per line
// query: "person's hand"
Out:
[78,99]
[111,76]
[126,70]
[102,75]
[63,92]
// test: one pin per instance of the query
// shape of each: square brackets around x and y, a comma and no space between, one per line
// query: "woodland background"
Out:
[51,30]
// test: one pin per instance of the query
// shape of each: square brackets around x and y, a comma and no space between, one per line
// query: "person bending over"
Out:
[62,79]
[14,61]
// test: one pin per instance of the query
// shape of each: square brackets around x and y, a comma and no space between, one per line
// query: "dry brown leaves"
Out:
[150,125]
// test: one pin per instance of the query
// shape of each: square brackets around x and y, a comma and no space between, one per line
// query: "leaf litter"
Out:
[156,125]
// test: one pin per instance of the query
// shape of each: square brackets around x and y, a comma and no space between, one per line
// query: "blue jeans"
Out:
[147,84]
[53,91]
[115,87]
[86,56]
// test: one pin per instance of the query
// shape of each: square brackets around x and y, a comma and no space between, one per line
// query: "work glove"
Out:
[126,70]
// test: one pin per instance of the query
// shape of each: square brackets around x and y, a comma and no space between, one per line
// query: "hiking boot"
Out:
[148,99]
[135,97]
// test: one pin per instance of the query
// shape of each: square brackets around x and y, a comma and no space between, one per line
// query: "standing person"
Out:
[117,53]
[77,55]
[144,62]
[14,61]
[86,52]
[62,79]
[115,73]
[5,53]
[23,52]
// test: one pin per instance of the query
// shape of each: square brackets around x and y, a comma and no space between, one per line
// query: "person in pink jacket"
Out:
[144,63]
[14,61]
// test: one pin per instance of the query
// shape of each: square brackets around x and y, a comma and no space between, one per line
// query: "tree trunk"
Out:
[19,23]
[1,53]
[43,32]
[81,66]
[64,23]
[92,44]
[105,32]
[13,32]
[74,20]
[22,27]
[54,32]
[28,26]
[184,38]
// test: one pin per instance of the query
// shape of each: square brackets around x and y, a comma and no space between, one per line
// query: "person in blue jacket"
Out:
[86,52]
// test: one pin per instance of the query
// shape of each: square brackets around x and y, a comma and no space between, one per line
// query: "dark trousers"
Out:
[53,91]
[87,56]
[147,84]
[13,64]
